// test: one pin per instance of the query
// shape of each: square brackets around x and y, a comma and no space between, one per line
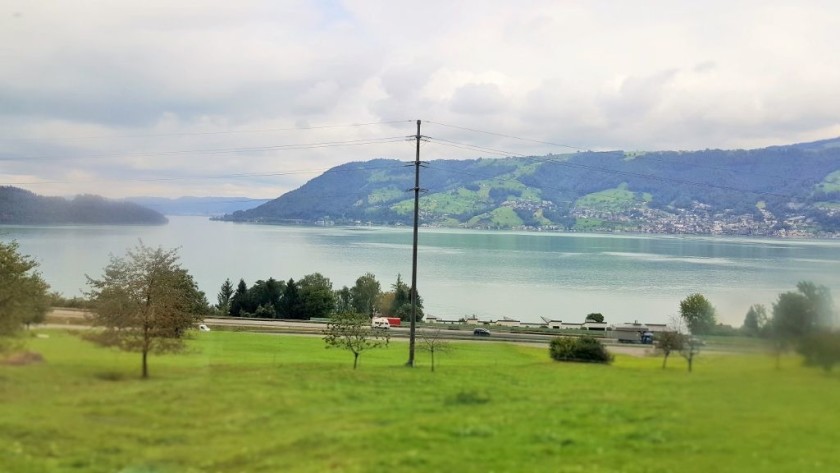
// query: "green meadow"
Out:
[242,402]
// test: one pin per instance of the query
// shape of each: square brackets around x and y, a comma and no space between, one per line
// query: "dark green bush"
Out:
[586,349]
[821,349]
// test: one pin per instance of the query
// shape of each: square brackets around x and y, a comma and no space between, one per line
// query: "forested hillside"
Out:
[782,191]
[19,206]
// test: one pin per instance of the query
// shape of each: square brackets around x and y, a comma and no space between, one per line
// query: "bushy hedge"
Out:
[586,349]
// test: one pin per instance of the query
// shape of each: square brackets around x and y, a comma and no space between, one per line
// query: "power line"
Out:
[503,135]
[286,147]
[222,132]
[189,178]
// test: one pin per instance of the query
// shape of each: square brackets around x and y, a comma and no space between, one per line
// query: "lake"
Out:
[521,275]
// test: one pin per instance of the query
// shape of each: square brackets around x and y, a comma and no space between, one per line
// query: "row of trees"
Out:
[313,297]
[804,320]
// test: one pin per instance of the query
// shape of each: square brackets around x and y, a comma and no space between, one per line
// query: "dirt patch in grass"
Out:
[22,358]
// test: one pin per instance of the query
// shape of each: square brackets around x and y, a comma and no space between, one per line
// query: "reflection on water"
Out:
[493,275]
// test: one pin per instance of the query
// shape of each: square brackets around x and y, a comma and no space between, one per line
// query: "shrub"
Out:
[468,397]
[586,349]
[821,349]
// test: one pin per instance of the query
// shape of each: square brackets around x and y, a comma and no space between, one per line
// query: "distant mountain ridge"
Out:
[791,190]
[199,206]
[22,207]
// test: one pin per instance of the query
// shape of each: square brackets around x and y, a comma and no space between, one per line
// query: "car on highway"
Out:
[481,332]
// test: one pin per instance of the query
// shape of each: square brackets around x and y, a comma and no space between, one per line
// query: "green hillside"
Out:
[778,191]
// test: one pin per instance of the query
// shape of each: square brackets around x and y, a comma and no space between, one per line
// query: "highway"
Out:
[58,317]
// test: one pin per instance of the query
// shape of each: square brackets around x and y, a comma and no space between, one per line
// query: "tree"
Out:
[793,318]
[264,298]
[669,342]
[401,303]
[755,320]
[317,296]
[385,304]
[24,296]
[821,302]
[343,300]
[145,302]
[797,315]
[433,342]
[239,300]
[223,298]
[698,314]
[291,305]
[594,317]
[351,331]
[365,294]
[690,349]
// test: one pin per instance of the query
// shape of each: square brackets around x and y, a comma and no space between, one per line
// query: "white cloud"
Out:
[112,95]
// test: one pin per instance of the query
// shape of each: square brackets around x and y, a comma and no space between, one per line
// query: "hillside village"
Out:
[700,220]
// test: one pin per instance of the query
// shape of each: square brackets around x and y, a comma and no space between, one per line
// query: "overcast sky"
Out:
[213,98]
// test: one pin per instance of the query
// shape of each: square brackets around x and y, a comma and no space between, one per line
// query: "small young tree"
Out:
[352,331]
[690,350]
[145,303]
[669,342]
[24,297]
[432,341]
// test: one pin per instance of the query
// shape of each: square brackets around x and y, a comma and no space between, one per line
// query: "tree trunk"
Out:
[664,361]
[690,359]
[355,360]
[433,360]
[145,365]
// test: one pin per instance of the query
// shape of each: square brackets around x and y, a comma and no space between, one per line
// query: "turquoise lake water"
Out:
[519,275]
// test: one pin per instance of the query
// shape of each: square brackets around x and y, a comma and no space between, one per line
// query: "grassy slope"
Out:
[245,402]
[831,183]
[613,200]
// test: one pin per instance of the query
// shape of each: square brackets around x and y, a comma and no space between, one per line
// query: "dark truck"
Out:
[633,334]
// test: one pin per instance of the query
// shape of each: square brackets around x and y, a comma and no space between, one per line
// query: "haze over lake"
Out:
[519,275]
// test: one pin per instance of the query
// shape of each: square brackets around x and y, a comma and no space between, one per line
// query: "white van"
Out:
[380,322]
[203,328]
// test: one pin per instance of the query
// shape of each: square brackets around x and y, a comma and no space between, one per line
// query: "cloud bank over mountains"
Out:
[184,97]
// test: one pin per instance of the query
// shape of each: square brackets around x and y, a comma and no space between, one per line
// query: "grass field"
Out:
[242,402]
